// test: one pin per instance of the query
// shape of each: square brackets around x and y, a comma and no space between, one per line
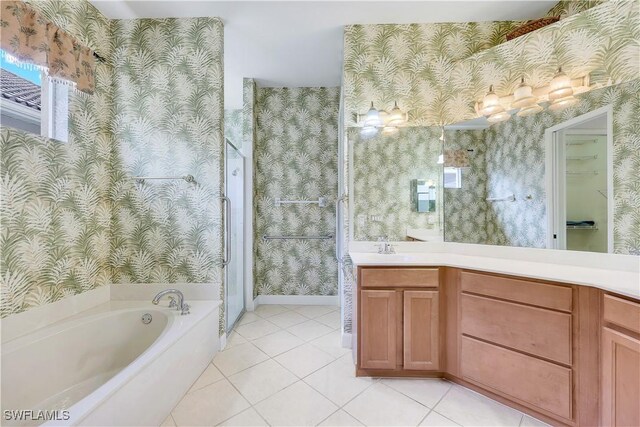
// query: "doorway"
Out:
[234,274]
[580,183]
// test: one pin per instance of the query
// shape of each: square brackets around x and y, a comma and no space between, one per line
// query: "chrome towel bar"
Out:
[322,202]
[509,198]
[327,237]
[188,178]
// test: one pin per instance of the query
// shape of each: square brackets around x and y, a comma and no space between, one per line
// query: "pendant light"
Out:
[560,86]
[396,116]
[373,117]
[491,103]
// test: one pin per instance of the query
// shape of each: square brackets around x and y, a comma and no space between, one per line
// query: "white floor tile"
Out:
[268,310]
[332,344]
[434,419]
[287,319]
[209,405]
[296,405]
[238,358]
[304,360]
[233,339]
[309,330]
[249,418]
[471,409]
[209,376]
[332,319]
[380,405]
[425,391]
[168,422]
[313,311]
[248,317]
[262,380]
[337,381]
[340,419]
[528,421]
[256,329]
[277,343]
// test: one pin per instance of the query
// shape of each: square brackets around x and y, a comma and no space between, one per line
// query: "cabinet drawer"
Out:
[399,277]
[536,383]
[622,313]
[537,331]
[524,291]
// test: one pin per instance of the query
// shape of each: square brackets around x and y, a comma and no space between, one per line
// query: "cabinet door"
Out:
[421,349]
[620,379]
[378,329]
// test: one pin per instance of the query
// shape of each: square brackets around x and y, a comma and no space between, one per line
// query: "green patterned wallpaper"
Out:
[295,158]
[55,204]
[233,127]
[383,168]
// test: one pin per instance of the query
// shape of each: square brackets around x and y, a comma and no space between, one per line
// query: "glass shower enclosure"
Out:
[234,239]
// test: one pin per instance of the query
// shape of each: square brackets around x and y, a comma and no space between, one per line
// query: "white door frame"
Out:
[550,169]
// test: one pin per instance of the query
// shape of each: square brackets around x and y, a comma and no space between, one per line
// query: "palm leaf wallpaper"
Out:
[383,168]
[295,158]
[73,218]
[233,127]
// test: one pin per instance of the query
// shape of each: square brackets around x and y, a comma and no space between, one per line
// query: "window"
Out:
[452,177]
[31,101]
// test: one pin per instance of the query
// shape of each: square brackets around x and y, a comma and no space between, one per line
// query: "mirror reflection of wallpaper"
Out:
[465,209]
[54,197]
[383,169]
[296,158]
[515,164]
[233,127]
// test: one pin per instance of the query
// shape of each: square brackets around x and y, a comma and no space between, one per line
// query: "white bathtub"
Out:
[106,367]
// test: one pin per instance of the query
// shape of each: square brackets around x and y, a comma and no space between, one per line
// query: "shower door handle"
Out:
[227,241]
[339,200]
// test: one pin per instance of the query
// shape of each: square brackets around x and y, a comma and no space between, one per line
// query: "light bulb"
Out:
[491,103]
[560,86]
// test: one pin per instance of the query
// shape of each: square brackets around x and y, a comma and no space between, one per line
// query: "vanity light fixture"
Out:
[524,99]
[491,103]
[560,87]
[372,117]
[562,103]
[499,117]
[376,120]
[396,116]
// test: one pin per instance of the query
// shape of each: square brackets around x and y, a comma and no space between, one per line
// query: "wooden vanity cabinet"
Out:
[398,320]
[620,362]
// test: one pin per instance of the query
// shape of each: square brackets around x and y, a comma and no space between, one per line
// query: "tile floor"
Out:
[284,366]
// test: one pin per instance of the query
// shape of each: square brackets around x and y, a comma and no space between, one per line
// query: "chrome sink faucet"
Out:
[384,247]
[180,305]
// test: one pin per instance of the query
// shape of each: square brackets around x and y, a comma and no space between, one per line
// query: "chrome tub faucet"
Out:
[177,302]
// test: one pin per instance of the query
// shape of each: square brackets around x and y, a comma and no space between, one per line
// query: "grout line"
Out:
[425,417]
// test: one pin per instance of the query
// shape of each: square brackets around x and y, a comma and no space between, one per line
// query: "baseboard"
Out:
[297,299]
[346,340]
[223,341]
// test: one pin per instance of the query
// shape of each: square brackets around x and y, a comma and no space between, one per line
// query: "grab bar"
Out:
[339,201]
[327,237]
[322,202]
[188,178]
[227,242]
[509,198]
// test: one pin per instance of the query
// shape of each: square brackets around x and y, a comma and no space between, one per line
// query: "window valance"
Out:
[27,36]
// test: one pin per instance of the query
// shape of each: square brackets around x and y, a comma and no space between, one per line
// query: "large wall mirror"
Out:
[558,179]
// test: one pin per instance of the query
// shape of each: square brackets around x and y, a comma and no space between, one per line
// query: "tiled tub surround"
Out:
[283,365]
[110,368]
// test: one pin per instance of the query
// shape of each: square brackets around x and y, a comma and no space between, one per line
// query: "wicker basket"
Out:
[532,26]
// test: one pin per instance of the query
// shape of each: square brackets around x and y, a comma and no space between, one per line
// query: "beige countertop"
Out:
[615,273]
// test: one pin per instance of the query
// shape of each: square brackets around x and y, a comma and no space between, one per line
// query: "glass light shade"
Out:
[373,117]
[560,86]
[369,131]
[523,96]
[388,130]
[530,110]
[499,117]
[491,103]
[396,116]
[562,103]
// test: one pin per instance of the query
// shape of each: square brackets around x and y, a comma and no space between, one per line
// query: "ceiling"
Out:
[299,43]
